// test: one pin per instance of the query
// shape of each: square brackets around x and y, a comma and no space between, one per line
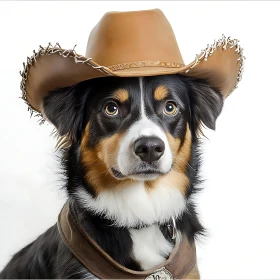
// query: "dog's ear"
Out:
[64,108]
[206,104]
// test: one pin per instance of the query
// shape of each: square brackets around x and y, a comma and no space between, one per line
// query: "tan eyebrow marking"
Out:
[121,94]
[160,93]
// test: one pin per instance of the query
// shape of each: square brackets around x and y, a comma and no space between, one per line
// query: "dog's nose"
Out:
[149,149]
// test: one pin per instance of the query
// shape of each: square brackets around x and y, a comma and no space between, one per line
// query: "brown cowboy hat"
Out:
[129,44]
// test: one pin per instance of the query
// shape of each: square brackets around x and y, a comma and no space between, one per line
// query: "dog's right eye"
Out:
[111,109]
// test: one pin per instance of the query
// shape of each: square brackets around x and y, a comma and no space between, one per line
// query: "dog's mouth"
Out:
[117,173]
[141,172]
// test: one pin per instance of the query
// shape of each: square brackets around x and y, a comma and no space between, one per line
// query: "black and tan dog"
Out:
[131,165]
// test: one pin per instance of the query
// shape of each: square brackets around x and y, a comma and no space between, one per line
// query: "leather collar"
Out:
[180,262]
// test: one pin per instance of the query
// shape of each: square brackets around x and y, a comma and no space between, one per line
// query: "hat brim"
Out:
[221,64]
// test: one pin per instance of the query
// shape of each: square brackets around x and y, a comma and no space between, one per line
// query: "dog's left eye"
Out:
[111,109]
[170,108]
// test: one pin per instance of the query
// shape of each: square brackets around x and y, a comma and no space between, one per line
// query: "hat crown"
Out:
[122,37]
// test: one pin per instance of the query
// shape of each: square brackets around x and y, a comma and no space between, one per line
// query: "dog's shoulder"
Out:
[36,260]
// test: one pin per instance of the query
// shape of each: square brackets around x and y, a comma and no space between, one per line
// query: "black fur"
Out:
[70,110]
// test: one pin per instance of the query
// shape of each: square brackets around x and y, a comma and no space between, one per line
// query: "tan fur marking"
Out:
[121,94]
[177,177]
[94,159]
[98,161]
[160,93]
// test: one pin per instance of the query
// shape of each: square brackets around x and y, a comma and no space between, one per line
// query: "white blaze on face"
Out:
[127,160]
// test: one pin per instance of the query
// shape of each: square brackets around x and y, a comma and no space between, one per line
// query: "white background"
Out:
[240,202]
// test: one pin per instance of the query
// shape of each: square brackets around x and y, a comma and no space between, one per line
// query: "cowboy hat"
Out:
[129,44]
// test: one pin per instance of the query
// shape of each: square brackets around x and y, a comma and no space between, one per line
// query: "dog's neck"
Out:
[134,205]
[135,248]
[118,232]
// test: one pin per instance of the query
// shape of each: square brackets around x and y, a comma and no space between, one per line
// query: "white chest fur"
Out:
[149,246]
[132,205]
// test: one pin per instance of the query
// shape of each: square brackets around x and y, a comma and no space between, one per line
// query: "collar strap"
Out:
[100,264]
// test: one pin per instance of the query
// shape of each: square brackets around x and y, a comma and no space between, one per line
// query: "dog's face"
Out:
[131,130]
[135,128]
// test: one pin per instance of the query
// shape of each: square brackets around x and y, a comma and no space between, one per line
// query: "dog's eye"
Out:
[111,109]
[170,108]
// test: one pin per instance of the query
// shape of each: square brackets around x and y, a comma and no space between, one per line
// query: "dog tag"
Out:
[160,274]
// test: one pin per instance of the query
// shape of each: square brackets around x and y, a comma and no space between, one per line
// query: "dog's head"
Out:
[134,130]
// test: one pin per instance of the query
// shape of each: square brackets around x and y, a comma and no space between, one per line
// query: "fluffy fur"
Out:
[122,201]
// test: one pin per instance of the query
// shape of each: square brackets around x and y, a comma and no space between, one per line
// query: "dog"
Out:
[131,162]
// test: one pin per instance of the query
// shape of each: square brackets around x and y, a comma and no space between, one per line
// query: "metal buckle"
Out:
[172,229]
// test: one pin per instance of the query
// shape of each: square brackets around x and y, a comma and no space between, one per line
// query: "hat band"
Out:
[145,63]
